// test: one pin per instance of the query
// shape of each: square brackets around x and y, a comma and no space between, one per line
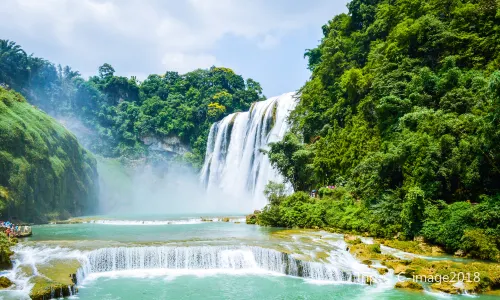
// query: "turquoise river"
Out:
[187,257]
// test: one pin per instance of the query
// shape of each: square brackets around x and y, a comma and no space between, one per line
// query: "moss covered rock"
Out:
[5,252]
[44,288]
[417,247]
[251,219]
[365,252]
[409,285]
[5,282]
[55,279]
[45,173]
[446,276]
[352,239]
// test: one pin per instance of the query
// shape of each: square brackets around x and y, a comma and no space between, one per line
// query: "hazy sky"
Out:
[261,39]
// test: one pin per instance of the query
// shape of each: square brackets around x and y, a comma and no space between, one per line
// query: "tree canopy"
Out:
[402,111]
[122,111]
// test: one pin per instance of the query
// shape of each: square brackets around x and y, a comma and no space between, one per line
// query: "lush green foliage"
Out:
[337,211]
[121,112]
[43,170]
[403,111]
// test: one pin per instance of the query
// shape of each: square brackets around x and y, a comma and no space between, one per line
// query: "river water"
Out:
[183,257]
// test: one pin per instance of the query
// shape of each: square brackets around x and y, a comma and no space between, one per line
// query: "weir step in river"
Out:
[249,258]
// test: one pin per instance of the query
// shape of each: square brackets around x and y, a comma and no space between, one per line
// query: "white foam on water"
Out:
[33,255]
[172,261]
[438,294]
[28,256]
[190,221]
[325,282]
[171,274]
[22,286]
[147,222]
[215,259]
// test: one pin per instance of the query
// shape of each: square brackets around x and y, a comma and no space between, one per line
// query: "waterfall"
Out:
[245,258]
[234,163]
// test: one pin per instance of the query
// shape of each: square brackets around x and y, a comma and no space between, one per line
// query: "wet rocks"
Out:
[49,290]
[417,246]
[55,279]
[365,253]
[350,238]
[5,282]
[251,219]
[409,285]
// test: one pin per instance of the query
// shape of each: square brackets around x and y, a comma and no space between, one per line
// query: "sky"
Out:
[260,39]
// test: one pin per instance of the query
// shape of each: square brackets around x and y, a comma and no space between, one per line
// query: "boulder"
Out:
[350,237]
[251,219]
[409,285]
[5,282]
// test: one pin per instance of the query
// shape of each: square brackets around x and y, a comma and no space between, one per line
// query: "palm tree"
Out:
[14,69]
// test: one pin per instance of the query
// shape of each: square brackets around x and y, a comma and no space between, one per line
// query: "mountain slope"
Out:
[44,173]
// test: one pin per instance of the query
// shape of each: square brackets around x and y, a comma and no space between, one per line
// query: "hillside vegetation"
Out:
[44,173]
[120,112]
[401,115]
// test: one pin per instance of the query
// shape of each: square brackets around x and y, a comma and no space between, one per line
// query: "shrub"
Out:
[479,244]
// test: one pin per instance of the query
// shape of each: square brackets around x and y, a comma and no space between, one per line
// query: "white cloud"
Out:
[269,41]
[183,62]
[149,36]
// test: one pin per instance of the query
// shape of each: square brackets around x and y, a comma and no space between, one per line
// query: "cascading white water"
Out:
[172,260]
[233,162]
[248,258]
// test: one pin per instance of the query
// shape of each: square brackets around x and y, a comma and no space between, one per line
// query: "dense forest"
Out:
[401,115]
[120,112]
[45,174]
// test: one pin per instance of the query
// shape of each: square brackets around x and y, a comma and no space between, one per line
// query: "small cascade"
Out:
[234,162]
[248,258]
[339,267]
[188,221]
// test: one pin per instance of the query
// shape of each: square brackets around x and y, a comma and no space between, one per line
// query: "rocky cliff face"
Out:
[170,145]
